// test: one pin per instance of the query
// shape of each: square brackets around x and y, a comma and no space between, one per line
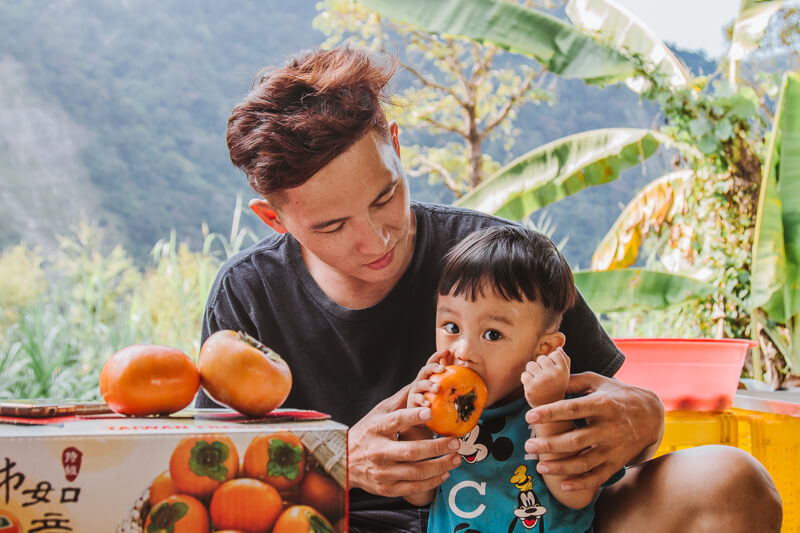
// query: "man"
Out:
[344,289]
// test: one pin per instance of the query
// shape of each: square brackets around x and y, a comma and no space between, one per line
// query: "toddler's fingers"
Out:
[417,399]
[527,380]
[425,385]
[429,369]
[440,356]
[533,367]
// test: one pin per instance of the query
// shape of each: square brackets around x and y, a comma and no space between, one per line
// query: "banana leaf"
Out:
[654,205]
[560,47]
[750,25]
[623,31]
[748,29]
[775,271]
[635,288]
[561,168]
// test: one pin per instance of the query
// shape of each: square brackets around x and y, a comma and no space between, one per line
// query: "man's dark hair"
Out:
[300,117]
[516,263]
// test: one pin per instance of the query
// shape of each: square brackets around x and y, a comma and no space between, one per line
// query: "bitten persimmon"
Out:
[238,371]
[278,458]
[179,513]
[302,519]
[148,379]
[247,505]
[199,465]
[457,405]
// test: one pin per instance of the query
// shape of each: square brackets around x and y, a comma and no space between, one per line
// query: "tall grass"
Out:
[61,319]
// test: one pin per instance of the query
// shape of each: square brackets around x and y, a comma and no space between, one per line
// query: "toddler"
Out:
[501,297]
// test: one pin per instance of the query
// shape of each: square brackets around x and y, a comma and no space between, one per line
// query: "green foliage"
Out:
[463,97]
[150,85]
[61,333]
[22,281]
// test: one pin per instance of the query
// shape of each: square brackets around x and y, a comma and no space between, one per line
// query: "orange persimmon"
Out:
[278,458]
[457,405]
[9,522]
[199,465]
[247,505]
[302,518]
[179,513]
[148,379]
[238,371]
[323,493]
[161,488]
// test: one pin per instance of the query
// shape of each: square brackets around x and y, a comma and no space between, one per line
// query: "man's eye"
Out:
[334,229]
[492,335]
[451,328]
[387,200]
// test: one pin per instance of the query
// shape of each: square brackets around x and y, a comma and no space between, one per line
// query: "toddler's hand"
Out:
[545,379]
[422,384]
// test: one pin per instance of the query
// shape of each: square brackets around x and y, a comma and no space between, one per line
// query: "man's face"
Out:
[353,217]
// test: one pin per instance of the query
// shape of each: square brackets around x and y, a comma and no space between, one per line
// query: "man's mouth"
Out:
[383,261]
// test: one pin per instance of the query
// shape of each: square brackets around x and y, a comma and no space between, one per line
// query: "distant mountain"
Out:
[117,110]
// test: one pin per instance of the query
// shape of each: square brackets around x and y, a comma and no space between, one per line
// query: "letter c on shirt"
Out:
[451,500]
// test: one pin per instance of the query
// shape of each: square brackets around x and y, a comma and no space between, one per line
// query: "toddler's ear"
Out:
[550,342]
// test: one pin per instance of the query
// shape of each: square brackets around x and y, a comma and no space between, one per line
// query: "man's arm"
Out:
[624,426]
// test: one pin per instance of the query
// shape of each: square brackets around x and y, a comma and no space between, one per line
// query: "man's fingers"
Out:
[562,411]
[388,424]
[575,465]
[584,383]
[416,450]
[404,479]
[592,480]
[570,442]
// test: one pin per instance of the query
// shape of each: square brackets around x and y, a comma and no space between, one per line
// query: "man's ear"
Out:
[550,342]
[267,213]
[394,132]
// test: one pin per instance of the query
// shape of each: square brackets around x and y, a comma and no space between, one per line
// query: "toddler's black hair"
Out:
[517,263]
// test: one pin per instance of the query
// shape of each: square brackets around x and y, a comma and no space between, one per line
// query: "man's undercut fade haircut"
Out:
[299,117]
[515,262]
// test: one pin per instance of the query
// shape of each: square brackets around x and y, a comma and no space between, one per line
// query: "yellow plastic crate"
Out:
[687,429]
[775,441]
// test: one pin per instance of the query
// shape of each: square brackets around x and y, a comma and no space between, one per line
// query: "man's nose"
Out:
[374,236]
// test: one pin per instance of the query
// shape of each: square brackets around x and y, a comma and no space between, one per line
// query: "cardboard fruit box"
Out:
[196,471]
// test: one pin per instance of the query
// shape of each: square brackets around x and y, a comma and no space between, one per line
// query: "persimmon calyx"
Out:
[255,343]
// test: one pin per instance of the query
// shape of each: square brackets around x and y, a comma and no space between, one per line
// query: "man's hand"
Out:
[622,422]
[380,464]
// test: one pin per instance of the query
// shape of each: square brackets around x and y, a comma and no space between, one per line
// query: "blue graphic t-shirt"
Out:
[496,489]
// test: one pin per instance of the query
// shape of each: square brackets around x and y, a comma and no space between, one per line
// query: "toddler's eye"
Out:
[452,328]
[492,335]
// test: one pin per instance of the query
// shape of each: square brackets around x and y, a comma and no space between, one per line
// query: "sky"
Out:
[691,24]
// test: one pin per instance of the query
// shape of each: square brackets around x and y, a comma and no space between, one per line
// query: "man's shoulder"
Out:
[449,219]
[249,266]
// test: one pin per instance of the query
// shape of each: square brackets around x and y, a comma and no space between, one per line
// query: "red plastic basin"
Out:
[687,374]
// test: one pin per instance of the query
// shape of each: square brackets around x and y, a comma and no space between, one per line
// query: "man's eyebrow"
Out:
[327,223]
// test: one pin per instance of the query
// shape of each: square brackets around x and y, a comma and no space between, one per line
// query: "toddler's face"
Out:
[494,337]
